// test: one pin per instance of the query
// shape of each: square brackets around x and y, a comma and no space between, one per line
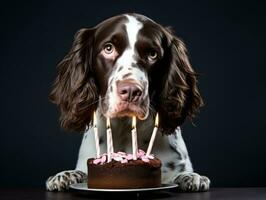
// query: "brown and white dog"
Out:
[128,65]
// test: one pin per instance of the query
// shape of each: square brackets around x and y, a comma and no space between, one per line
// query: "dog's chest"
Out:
[122,140]
[122,134]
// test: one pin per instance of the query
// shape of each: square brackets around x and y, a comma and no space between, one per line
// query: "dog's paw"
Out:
[192,182]
[62,180]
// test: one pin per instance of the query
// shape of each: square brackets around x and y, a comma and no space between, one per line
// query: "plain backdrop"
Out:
[226,43]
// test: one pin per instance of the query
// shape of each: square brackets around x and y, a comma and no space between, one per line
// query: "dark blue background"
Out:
[226,43]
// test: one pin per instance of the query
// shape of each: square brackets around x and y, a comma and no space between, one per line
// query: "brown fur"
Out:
[180,97]
[74,90]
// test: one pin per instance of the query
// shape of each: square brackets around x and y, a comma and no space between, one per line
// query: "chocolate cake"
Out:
[123,172]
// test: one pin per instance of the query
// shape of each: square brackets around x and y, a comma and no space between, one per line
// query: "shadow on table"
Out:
[162,194]
[126,195]
[81,195]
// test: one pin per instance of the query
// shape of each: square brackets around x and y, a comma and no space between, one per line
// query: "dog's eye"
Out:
[108,48]
[109,51]
[152,56]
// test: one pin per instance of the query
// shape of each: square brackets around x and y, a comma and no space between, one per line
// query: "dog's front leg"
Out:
[62,180]
[177,166]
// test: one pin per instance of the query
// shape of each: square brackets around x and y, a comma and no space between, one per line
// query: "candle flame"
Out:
[108,122]
[157,120]
[94,119]
[134,122]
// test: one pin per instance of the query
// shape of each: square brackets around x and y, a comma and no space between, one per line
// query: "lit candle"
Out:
[134,138]
[110,148]
[153,135]
[96,136]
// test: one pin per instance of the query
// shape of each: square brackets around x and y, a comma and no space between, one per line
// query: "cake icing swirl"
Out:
[123,157]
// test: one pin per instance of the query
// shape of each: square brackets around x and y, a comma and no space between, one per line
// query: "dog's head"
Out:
[126,65]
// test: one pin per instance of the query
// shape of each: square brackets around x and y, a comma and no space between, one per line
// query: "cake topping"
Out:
[123,157]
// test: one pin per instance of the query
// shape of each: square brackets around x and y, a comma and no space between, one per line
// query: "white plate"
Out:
[83,186]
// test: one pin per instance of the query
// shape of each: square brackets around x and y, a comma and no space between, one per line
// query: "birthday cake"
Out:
[124,172]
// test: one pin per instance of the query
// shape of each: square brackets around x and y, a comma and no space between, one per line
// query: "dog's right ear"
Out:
[74,90]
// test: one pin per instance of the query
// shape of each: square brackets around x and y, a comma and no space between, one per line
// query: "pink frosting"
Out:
[123,157]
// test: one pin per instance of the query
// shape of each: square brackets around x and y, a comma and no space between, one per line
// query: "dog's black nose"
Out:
[128,91]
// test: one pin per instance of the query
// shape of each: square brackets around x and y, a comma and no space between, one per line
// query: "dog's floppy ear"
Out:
[74,90]
[180,97]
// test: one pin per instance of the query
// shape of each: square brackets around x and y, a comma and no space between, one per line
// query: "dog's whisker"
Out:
[98,100]
[152,109]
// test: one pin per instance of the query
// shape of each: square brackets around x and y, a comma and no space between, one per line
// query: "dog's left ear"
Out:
[180,97]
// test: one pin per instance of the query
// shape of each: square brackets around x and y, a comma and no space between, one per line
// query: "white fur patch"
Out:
[132,27]
[126,60]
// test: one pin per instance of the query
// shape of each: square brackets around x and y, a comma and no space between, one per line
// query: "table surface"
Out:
[214,193]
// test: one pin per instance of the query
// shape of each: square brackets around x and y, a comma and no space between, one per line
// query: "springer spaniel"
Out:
[128,65]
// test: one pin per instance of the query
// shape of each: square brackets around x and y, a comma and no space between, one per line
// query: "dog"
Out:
[128,65]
